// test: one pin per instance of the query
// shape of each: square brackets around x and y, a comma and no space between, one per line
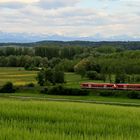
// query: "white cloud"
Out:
[56,3]
[65,18]
[45,4]
[22,1]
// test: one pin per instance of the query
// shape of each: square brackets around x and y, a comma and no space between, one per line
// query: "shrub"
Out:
[30,85]
[93,75]
[107,93]
[134,95]
[7,88]
[60,90]
[44,90]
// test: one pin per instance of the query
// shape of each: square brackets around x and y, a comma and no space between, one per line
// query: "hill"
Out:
[130,45]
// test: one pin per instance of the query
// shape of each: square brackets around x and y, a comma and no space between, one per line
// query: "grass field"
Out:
[67,121]
[36,119]
[21,77]
[74,80]
[18,76]
[38,96]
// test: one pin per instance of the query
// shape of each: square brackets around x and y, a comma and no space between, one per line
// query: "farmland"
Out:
[67,121]
[18,76]
[37,117]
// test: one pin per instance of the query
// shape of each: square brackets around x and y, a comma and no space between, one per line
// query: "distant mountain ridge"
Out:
[129,45]
[28,37]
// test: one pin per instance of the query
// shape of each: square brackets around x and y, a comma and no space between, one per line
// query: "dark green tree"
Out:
[41,78]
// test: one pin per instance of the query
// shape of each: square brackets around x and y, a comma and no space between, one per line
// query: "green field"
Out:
[21,77]
[67,121]
[18,76]
[74,80]
[38,117]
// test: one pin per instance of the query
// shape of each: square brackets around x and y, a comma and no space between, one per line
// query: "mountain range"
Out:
[29,37]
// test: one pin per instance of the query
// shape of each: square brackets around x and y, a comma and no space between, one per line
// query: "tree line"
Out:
[95,63]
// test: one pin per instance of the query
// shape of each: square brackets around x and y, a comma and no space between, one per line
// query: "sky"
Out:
[80,18]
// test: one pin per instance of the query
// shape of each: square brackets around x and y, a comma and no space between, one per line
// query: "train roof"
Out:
[110,83]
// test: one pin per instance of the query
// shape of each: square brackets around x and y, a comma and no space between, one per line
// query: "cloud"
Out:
[12,5]
[21,1]
[56,3]
[45,4]
[67,18]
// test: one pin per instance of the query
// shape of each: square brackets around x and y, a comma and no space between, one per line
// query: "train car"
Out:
[128,86]
[110,86]
[98,86]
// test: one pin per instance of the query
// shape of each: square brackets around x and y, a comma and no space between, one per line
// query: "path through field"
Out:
[75,100]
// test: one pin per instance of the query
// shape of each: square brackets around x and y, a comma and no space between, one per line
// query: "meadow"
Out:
[18,76]
[74,80]
[23,119]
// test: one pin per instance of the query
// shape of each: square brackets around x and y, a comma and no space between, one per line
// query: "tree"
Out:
[66,65]
[120,78]
[85,65]
[50,75]
[93,75]
[58,76]
[81,67]
[54,61]
[41,77]
[8,88]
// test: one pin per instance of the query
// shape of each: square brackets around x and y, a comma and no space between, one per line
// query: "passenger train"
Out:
[110,86]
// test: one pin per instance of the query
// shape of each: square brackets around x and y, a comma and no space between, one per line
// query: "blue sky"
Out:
[80,18]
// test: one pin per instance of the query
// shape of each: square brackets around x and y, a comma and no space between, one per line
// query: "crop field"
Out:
[26,120]
[18,76]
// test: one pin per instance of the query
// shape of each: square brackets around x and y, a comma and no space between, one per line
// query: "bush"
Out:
[60,90]
[30,85]
[134,95]
[7,88]
[107,93]
[44,90]
[93,75]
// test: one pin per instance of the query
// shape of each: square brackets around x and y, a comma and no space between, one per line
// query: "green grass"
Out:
[74,80]
[67,121]
[18,76]
[21,77]
[86,98]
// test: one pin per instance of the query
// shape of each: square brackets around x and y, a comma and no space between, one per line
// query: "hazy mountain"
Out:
[24,38]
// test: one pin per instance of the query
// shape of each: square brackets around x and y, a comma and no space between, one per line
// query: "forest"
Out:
[95,60]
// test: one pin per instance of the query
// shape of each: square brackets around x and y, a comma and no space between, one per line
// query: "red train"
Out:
[110,86]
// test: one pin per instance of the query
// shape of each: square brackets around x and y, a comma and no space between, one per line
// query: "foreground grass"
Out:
[37,95]
[67,121]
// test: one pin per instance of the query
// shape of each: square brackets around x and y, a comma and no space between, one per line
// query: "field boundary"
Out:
[74,100]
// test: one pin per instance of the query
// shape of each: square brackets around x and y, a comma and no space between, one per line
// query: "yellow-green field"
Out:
[18,76]
[43,120]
